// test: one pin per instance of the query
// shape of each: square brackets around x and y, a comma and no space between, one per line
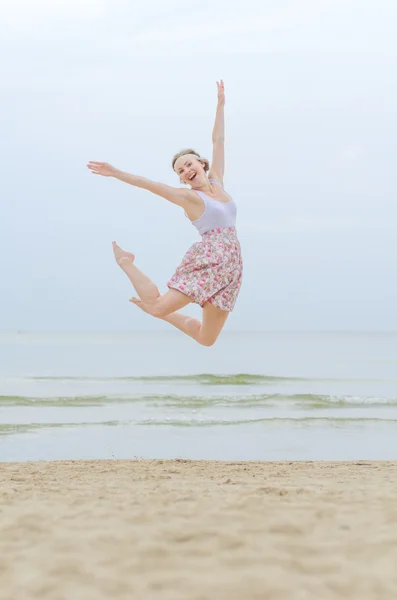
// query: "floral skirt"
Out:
[211,270]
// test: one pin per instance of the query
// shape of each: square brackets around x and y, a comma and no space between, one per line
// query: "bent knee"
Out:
[207,341]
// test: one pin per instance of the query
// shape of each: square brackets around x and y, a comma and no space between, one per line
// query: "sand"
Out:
[83,530]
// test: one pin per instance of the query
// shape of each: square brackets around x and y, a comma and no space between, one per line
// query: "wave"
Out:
[287,420]
[19,428]
[205,379]
[311,401]
[13,428]
[59,400]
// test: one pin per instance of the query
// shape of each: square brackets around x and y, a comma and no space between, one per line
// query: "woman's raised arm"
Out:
[218,137]
[172,194]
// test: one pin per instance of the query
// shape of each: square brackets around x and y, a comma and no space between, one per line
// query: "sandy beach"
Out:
[198,530]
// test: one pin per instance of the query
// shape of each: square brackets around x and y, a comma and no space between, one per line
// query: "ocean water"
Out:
[252,396]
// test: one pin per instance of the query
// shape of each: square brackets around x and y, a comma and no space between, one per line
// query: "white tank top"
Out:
[216,215]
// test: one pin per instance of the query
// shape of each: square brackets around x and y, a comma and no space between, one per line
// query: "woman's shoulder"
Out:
[194,197]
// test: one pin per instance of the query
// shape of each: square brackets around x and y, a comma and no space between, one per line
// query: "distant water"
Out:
[268,396]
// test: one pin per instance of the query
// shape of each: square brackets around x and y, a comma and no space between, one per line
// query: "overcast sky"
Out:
[311,153]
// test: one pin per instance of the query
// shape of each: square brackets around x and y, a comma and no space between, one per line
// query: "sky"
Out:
[311,149]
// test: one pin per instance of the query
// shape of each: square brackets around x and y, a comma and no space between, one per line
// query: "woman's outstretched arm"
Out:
[172,194]
[218,137]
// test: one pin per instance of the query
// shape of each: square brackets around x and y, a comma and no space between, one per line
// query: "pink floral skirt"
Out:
[211,270]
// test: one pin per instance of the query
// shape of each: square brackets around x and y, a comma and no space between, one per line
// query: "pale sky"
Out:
[311,149]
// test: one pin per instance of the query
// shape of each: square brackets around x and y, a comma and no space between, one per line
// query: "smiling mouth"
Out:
[193,176]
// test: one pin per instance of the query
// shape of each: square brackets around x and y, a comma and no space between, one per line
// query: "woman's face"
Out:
[190,170]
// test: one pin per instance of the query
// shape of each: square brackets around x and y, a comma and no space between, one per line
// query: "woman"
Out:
[211,271]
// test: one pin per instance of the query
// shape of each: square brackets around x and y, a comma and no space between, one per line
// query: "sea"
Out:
[251,396]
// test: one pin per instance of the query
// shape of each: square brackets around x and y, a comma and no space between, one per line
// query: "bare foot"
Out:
[122,257]
[142,305]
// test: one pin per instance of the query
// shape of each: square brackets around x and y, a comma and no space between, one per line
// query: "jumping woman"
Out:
[211,271]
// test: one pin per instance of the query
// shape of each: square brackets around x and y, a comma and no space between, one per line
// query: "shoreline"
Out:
[198,529]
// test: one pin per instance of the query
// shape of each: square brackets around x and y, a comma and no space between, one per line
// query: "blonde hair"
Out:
[204,161]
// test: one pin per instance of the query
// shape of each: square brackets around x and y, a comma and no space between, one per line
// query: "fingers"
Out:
[221,91]
[95,167]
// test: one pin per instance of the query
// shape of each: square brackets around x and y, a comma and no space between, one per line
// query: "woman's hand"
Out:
[221,92]
[101,168]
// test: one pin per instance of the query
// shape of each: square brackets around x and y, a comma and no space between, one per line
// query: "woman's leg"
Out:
[164,305]
[150,299]
[214,319]
[144,287]
[184,323]
[205,333]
